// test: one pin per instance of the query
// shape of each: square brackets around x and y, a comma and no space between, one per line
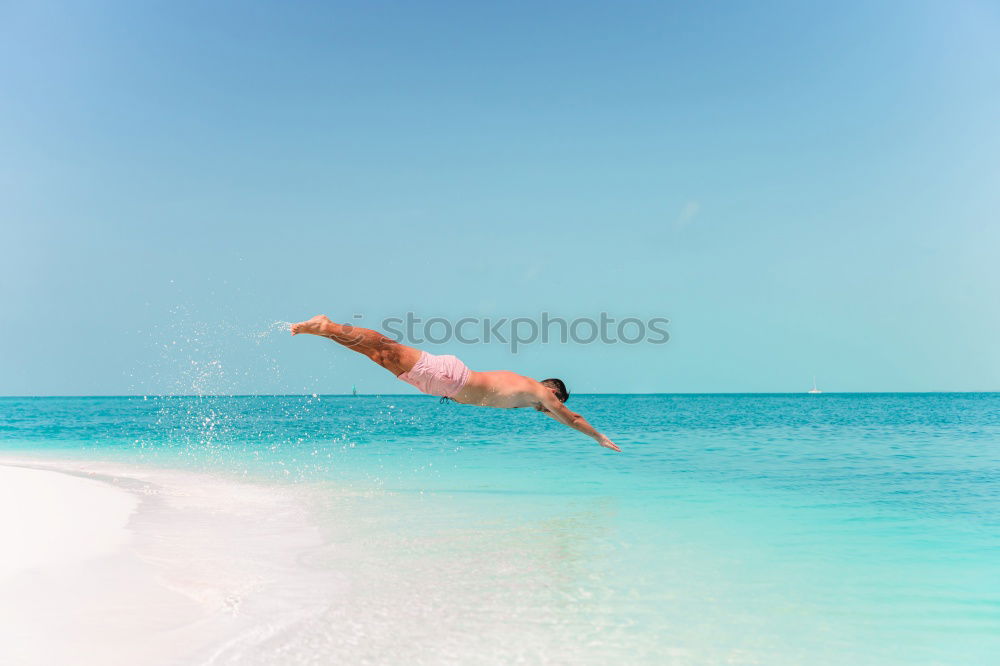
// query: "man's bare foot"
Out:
[314,326]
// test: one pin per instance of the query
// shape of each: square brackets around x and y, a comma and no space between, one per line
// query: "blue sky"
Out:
[801,188]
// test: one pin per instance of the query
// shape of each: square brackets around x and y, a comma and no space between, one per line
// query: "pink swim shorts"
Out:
[437,375]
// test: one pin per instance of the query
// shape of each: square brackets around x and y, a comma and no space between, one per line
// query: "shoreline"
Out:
[117,563]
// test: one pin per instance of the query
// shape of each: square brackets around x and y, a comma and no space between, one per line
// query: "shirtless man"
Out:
[448,377]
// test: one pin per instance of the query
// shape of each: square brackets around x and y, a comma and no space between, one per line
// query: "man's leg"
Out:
[391,355]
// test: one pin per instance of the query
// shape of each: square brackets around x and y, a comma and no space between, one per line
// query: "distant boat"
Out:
[814,389]
[354,390]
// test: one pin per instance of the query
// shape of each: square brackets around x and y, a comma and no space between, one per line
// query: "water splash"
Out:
[194,361]
[267,332]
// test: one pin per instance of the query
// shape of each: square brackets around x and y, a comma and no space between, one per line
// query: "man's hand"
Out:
[607,443]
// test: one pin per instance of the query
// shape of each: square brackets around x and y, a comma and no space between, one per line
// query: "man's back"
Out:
[500,388]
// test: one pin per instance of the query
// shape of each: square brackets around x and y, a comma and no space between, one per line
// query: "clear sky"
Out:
[801,188]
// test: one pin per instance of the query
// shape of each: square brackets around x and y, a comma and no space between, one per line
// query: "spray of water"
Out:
[197,365]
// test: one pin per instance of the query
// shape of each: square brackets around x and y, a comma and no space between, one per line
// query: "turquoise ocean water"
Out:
[740,529]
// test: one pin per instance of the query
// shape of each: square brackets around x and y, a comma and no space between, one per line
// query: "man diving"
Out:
[448,377]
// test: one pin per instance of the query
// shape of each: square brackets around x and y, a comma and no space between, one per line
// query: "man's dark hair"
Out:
[560,388]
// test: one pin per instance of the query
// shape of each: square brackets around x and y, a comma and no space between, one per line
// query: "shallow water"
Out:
[770,529]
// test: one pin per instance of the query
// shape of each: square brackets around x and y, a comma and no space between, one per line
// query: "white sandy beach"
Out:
[55,520]
[107,564]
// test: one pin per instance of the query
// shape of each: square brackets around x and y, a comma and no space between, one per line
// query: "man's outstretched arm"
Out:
[557,410]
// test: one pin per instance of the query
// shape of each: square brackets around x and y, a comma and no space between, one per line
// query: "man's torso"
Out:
[499,388]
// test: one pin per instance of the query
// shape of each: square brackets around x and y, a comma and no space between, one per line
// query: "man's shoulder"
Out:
[532,387]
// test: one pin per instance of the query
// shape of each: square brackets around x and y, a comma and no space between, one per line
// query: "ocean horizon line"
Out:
[420,396]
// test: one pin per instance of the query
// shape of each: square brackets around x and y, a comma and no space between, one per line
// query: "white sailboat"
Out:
[814,389]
